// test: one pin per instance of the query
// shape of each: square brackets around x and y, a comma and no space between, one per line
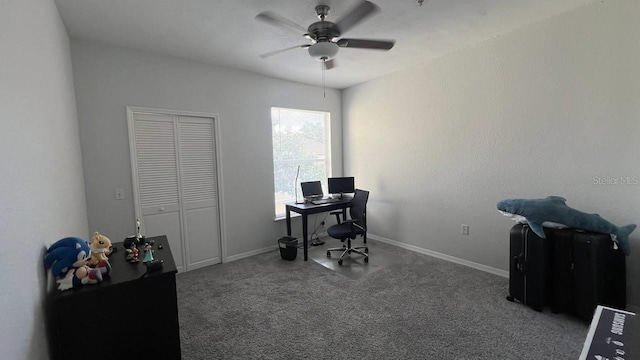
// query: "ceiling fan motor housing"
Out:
[323,31]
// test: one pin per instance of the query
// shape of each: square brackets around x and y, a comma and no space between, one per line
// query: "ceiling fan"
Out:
[324,34]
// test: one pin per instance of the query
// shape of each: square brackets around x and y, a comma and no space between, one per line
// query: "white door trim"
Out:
[134,171]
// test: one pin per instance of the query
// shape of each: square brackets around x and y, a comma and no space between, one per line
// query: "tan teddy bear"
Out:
[100,248]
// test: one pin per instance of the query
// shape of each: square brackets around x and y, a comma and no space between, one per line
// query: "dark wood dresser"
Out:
[129,315]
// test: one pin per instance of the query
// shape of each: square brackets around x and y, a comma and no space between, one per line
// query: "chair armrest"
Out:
[353,223]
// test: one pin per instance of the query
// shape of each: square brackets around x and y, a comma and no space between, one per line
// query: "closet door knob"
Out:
[161,209]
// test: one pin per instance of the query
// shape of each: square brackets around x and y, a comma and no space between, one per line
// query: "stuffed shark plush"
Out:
[552,210]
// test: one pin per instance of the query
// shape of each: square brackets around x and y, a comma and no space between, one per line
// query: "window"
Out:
[300,137]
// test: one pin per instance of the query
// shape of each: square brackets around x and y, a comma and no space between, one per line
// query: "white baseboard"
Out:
[250,253]
[266,249]
[438,255]
[485,268]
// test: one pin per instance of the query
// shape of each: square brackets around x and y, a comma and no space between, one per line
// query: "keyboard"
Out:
[325,201]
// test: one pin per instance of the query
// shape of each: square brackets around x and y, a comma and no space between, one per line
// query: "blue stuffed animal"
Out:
[67,253]
[67,258]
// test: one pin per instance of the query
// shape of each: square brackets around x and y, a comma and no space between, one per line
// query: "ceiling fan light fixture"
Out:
[323,51]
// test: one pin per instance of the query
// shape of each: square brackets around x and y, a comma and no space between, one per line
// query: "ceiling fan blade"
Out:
[280,21]
[366,44]
[276,52]
[356,15]
[329,64]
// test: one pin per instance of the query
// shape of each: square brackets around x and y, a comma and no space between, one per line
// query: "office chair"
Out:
[346,230]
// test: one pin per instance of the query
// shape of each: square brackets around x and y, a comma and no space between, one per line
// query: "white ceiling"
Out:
[226,33]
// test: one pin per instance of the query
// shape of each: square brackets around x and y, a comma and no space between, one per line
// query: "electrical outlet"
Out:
[465,229]
[119,194]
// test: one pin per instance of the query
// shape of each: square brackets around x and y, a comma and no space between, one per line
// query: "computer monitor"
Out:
[342,185]
[311,189]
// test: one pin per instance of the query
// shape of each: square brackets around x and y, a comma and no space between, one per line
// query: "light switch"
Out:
[119,194]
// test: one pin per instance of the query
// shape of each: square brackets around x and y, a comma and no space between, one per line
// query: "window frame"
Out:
[300,160]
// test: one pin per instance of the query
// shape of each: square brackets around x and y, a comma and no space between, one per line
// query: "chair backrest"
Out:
[358,209]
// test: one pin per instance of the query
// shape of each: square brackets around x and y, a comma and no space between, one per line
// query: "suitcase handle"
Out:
[519,262]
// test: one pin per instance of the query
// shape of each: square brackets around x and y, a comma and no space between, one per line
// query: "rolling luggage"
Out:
[584,271]
[571,270]
[528,267]
[599,274]
[562,271]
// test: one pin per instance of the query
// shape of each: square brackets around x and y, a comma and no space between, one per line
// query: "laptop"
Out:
[312,190]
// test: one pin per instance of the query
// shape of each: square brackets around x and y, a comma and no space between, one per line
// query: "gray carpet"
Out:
[420,307]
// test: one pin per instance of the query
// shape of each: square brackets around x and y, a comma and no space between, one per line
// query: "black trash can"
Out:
[288,247]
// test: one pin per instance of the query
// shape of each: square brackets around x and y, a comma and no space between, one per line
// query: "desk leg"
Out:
[288,222]
[304,236]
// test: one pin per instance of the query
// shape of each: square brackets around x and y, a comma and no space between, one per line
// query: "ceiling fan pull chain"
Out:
[324,92]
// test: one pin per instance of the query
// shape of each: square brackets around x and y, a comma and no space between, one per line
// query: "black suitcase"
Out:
[599,274]
[528,267]
[562,271]
[586,271]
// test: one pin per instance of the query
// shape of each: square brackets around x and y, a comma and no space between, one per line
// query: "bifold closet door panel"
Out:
[158,181]
[197,163]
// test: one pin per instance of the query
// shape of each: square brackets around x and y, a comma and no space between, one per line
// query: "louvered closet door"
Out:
[157,180]
[196,143]
[176,185]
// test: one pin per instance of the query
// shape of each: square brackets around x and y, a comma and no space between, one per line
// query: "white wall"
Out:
[41,182]
[108,79]
[538,112]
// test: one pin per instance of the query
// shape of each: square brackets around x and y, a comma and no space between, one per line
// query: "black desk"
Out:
[126,316]
[308,209]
